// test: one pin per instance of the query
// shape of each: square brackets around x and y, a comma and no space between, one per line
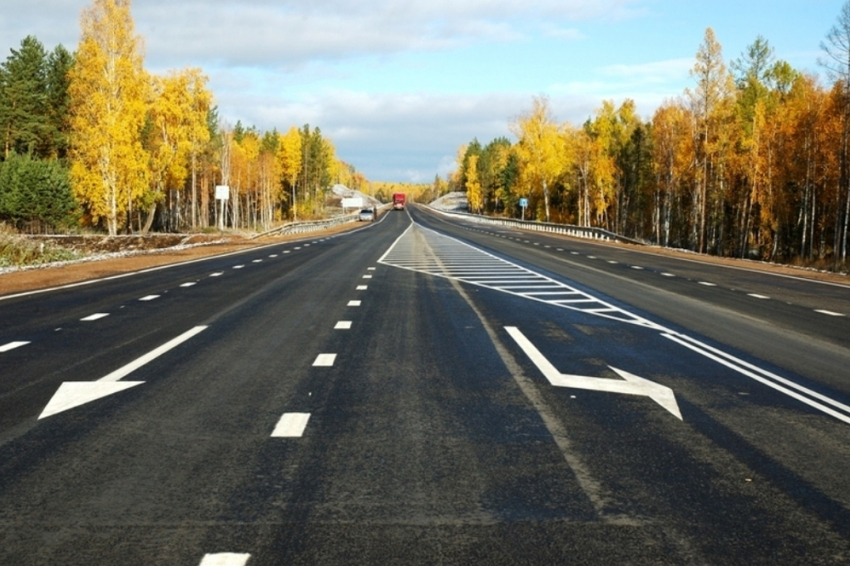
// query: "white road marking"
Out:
[95,316]
[757,296]
[354,303]
[217,274]
[367,277]
[189,284]
[298,247]
[12,346]
[591,257]
[343,325]
[639,268]
[574,253]
[708,284]
[633,385]
[612,262]
[830,313]
[668,275]
[324,360]
[75,393]
[763,376]
[287,251]
[273,255]
[291,425]
[257,261]
[225,559]
[371,269]
[149,298]
[362,287]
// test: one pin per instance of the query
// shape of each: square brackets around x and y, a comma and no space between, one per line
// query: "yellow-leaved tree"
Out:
[108,93]
[289,155]
[540,151]
[473,185]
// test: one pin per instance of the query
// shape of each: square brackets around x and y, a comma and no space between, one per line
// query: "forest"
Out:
[91,140]
[753,161]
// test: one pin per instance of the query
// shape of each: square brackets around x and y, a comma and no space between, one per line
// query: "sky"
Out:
[400,85]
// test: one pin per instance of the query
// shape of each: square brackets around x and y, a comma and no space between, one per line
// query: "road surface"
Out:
[428,391]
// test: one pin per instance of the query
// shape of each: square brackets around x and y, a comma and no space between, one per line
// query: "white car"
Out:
[367,215]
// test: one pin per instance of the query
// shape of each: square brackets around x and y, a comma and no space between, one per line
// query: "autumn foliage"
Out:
[750,162]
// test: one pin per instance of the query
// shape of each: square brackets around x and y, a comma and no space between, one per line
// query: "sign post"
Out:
[222,193]
[523,202]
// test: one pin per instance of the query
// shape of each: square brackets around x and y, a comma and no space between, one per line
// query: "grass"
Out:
[17,251]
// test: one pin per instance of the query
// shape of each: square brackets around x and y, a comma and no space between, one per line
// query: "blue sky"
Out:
[399,86]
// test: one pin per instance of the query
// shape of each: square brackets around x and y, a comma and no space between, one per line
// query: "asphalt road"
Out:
[427,393]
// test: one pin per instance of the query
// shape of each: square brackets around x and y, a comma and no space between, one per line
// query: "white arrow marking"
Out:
[75,393]
[633,385]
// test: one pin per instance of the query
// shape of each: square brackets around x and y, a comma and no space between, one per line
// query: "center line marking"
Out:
[343,325]
[217,274]
[354,303]
[189,284]
[324,360]
[362,287]
[257,261]
[95,316]
[12,346]
[367,277]
[149,298]
[291,425]
[238,266]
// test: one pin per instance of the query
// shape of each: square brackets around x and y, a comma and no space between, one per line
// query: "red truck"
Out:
[398,201]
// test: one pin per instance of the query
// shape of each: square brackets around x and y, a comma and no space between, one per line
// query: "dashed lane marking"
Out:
[149,298]
[707,284]
[225,559]
[830,313]
[667,275]
[217,274]
[189,284]
[367,277]
[11,346]
[354,303]
[639,268]
[257,261]
[95,316]
[343,325]
[324,360]
[291,425]
[757,296]
[362,287]
[238,266]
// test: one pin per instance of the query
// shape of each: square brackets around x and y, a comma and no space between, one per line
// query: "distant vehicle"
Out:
[367,215]
[398,201]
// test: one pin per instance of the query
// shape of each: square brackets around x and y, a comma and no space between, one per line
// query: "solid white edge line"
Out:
[765,381]
[291,425]
[11,346]
[152,355]
[225,559]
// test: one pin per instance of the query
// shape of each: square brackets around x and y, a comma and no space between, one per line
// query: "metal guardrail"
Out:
[313,225]
[563,229]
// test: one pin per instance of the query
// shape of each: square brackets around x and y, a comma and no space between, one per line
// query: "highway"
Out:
[425,390]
